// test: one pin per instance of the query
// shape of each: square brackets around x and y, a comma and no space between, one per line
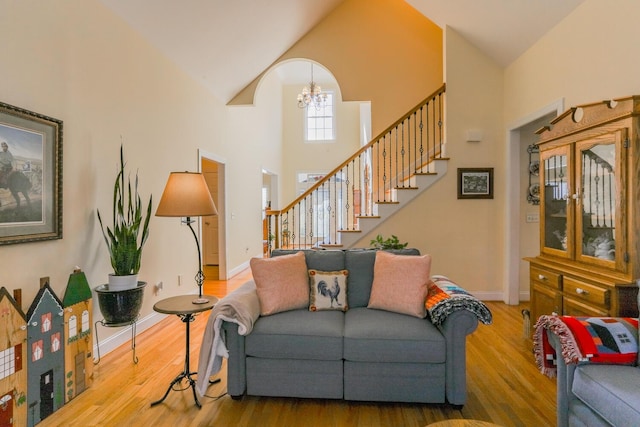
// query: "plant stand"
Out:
[117,325]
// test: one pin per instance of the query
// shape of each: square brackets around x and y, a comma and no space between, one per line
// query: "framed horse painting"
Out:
[30,176]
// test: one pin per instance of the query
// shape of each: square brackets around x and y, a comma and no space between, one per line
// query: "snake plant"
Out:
[128,234]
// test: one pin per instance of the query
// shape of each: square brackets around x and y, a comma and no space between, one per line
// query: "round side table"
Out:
[184,307]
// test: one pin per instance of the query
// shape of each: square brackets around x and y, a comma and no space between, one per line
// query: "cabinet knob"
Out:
[542,277]
[581,291]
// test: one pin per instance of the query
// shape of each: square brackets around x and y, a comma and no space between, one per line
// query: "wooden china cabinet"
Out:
[589,206]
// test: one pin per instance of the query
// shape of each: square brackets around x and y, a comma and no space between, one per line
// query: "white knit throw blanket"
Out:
[241,307]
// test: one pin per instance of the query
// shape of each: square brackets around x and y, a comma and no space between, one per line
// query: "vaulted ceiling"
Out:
[226,44]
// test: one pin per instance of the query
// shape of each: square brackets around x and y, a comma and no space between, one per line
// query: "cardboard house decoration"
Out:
[78,317]
[13,367]
[45,356]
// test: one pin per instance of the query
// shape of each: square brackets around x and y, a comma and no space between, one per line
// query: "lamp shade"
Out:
[186,194]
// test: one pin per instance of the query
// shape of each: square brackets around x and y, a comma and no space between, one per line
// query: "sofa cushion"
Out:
[400,283]
[297,334]
[383,336]
[360,263]
[611,391]
[328,290]
[320,379]
[395,382]
[281,283]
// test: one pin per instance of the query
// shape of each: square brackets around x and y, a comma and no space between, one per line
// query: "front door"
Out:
[80,380]
[210,223]
[46,394]
[6,410]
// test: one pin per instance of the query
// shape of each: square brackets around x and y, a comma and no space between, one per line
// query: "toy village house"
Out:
[79,335]
[45,355]
[13,369]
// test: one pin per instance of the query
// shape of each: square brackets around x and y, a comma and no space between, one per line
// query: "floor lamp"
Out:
[187,195]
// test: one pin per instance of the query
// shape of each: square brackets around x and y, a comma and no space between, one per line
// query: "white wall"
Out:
[591,55]
[299,155]
[464,237]
[76,61]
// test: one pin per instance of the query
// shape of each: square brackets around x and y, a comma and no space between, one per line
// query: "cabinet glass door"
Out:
[557,211]
[598,238]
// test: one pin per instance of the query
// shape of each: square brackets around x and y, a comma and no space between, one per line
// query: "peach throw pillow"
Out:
[400,283]
[281,282]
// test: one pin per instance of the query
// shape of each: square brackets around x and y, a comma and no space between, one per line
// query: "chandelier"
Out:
[312,95]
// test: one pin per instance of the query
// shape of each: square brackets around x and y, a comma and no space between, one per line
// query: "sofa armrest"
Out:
[564,382]
[455,330]
[236,366]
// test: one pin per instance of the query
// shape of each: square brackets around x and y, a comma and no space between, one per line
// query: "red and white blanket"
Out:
[612,340]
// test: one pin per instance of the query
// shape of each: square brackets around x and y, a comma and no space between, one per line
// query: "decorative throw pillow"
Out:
[400,283]
[328,290]
[281,282]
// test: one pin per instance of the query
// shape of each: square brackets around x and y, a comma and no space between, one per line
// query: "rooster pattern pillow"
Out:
[328,290]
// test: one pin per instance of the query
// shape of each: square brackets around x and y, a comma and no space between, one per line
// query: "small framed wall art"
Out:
[30,176]
[475,183]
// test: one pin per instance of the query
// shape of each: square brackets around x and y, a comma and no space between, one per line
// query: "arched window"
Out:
[85,321]
[73,326]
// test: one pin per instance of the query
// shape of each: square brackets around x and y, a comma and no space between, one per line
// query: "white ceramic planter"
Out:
[122,283]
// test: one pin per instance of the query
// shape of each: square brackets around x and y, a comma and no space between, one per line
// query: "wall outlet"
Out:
[159,287]
[533,217]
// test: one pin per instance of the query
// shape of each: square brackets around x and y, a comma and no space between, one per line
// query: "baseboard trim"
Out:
[497,296]
[239,269]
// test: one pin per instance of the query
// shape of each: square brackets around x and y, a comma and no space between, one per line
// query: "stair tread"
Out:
[349,231]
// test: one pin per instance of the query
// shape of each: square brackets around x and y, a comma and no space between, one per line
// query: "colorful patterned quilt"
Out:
[445,297]
[612,340]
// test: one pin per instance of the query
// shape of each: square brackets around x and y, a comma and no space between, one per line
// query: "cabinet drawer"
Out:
[547,277]
[586,292]
[573,307]
[545,300]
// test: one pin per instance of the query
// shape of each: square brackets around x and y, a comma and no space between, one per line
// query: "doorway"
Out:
[6,410]
[519,136]
[213,227]
[269,201]
[46,394]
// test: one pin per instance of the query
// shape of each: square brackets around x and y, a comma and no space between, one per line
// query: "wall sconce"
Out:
[474,135]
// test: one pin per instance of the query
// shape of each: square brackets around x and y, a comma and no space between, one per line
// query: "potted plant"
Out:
[390,243]
[120,300]
[128,234]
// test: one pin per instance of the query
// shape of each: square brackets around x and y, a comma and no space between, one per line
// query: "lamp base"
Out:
[200,301]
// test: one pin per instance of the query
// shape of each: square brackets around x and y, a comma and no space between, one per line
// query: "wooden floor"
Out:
[504,386]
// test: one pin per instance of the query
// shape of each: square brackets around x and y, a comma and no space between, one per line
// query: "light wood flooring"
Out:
[504,386]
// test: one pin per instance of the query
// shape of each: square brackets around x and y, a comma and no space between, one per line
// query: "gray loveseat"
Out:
[596,395]
[361,354]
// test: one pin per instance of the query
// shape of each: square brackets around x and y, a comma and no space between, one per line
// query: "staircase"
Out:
[370,186]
